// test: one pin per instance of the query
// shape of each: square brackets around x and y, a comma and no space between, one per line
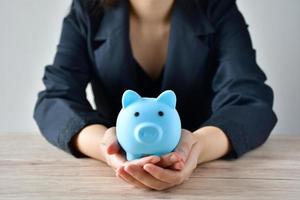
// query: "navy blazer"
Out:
[211,66]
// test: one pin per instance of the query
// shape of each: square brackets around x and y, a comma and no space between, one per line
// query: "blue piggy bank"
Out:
[148,126]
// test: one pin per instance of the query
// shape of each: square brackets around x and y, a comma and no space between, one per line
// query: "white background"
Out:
[30,30]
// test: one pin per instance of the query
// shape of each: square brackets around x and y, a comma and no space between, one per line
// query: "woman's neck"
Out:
[151,11]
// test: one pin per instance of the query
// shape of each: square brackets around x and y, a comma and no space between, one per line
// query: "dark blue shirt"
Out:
[211,66]
[148,86]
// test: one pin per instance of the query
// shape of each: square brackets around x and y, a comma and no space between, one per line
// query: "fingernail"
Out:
[173,158]
[126,169]
[154,159]
[148,167]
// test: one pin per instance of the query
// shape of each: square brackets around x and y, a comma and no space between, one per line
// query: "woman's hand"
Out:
[115,157]
[205,144]
[155,176]
[110,148]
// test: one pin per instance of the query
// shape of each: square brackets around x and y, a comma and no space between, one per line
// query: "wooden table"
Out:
[30,168]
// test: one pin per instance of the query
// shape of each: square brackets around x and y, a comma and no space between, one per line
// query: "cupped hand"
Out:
[114,155]
[164,173]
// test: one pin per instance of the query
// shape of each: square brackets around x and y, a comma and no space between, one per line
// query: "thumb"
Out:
[185,145]
[110,141]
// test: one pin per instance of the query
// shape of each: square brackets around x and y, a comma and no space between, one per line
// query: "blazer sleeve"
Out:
[62,109]
[242,102]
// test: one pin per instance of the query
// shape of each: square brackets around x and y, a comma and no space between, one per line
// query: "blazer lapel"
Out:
[187,53]
[112,55]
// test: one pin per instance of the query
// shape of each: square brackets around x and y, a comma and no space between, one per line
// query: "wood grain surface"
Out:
[30,168]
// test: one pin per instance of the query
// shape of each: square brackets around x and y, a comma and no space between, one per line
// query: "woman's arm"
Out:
[62,109]
[215,143]
[242,102]
[89,140]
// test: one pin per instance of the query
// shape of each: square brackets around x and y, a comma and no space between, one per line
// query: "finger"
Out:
[176,177]
[185,144]
[165,175]
[178,166]
[129,179]
[110,141]
[169,159]
[113,148]
[145,178]
[142,161]
[116,160]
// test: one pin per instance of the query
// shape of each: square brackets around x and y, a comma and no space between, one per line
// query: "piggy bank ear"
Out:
[129,97]
[168,97]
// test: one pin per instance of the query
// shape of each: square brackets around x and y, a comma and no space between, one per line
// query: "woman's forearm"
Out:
[214,141]
[88,141]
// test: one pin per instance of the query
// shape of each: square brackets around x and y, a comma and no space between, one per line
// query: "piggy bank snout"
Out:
[148,133]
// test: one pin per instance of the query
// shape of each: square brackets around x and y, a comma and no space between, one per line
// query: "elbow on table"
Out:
[264,129]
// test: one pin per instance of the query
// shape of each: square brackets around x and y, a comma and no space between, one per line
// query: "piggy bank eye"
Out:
[160,113]
[136,114]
